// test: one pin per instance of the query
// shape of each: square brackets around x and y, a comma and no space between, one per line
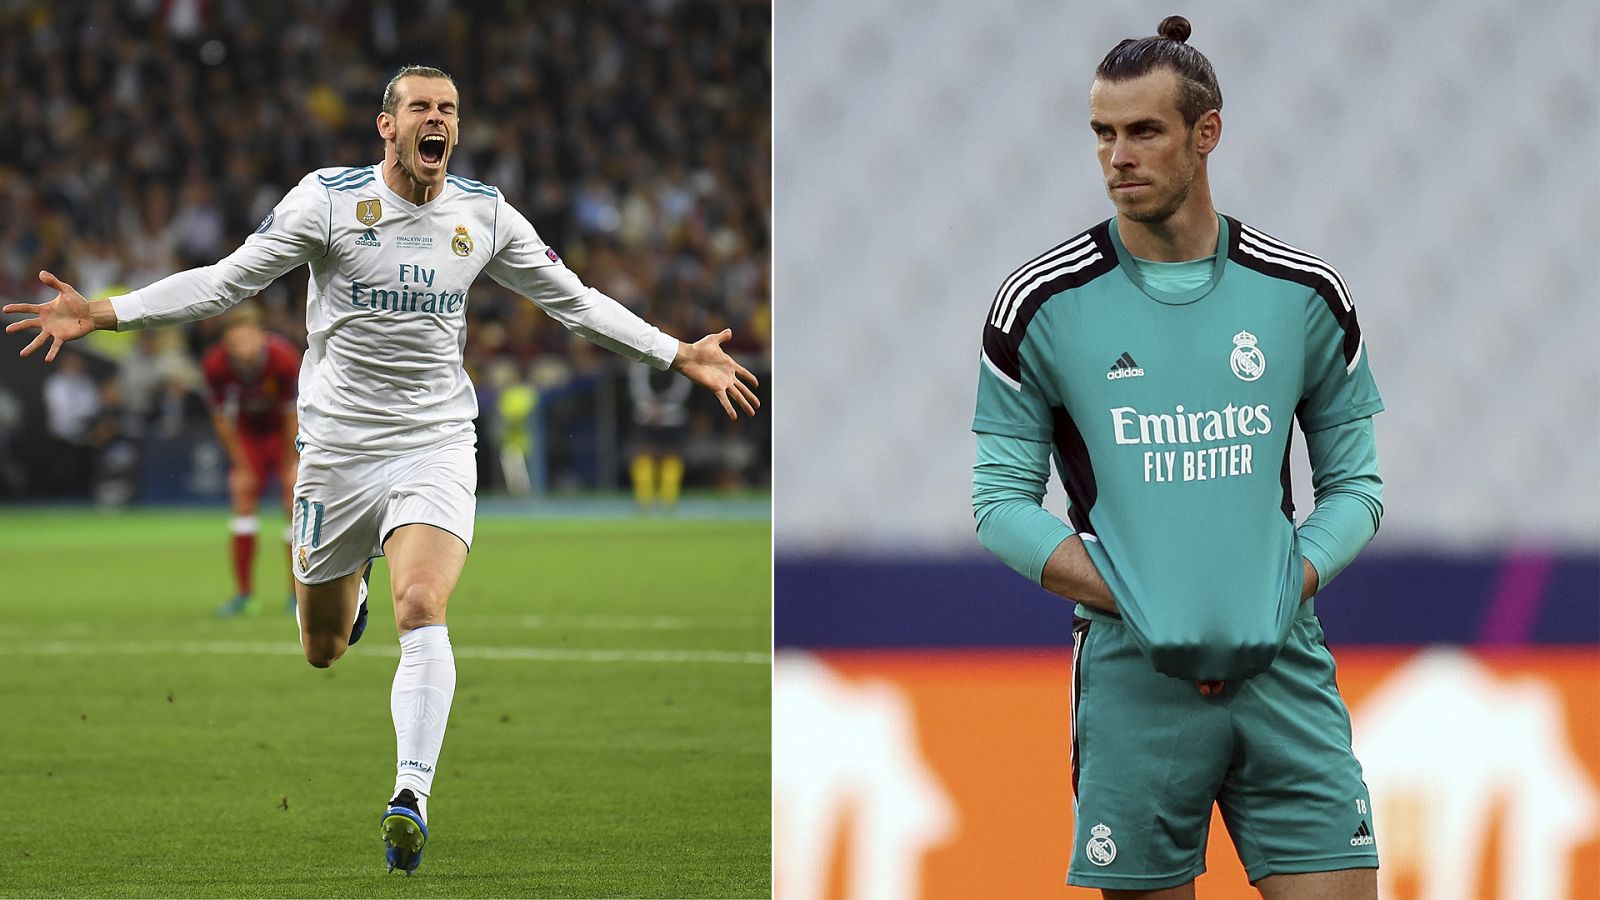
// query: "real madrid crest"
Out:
[368,212]
[1247,360]
[305,564]
[1100,849]
[461,244]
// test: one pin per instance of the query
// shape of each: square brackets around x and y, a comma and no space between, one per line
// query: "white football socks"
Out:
[424,684]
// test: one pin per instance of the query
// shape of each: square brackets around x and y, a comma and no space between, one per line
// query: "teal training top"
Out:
[1169,416]
[1173,277]
[1008,484]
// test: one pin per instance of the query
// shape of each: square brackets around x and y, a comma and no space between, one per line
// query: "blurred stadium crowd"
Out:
[151,136]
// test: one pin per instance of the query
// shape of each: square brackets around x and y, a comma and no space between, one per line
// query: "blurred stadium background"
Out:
[1441,156]
[150,136]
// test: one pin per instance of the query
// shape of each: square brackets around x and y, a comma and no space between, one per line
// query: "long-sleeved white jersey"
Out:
[386,303]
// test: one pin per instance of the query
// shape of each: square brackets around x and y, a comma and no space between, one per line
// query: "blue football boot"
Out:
[360,627]
[239,605]
[404,833]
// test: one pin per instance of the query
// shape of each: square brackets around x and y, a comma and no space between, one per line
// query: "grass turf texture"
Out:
[152,749]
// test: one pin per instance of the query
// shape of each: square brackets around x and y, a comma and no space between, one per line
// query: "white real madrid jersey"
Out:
[387,300]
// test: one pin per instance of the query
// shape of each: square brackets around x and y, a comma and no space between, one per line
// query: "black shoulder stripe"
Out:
[1072,264]
[1263,253]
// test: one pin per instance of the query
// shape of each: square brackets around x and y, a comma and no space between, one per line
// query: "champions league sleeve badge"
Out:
[461,244]
[1247,359]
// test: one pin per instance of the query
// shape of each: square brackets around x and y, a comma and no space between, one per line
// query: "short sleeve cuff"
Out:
[1337,417]
[990,425]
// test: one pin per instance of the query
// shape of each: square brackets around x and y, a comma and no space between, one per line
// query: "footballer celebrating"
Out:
[1162,357]
[250,382]
[385,406]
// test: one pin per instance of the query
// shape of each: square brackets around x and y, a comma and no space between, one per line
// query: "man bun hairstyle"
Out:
[1174,28]
[391,94]
[1198,92]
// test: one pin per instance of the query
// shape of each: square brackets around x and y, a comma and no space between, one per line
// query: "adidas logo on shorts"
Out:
[1124,367]
[1363,836]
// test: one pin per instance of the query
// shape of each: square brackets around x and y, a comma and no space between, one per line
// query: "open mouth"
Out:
[431,149]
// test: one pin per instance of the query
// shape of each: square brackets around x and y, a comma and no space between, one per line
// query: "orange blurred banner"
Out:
[1484,770]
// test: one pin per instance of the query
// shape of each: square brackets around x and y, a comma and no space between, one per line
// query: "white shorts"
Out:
[346,506]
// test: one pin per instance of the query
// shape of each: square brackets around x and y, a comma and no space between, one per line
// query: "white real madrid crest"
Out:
[1100,849]
[461,244]
[1247,360]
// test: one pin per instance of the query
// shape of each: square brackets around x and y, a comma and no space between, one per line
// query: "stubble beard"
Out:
[1163,212]
[404,160]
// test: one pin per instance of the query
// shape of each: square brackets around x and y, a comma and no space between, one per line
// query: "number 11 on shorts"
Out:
[309,512]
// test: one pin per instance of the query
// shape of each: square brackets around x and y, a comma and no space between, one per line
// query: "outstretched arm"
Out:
[66,318]
[525,264]
[292,235]
[704,363]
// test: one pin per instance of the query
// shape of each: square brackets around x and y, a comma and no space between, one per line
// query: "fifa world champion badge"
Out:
[1100,849]
[1247,360]
[368,212]
[461,244]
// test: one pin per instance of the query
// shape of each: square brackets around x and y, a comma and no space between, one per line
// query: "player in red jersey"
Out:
[251,377]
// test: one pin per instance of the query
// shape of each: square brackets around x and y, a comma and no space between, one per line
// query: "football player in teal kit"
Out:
[1162,358]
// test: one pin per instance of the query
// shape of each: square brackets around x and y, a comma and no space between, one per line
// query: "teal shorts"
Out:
[1150,755]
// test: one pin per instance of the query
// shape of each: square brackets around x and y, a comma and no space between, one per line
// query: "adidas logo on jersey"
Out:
[1363,836]
[368,238]
[1124,367]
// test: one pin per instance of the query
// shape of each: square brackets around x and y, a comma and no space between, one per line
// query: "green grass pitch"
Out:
[609,736]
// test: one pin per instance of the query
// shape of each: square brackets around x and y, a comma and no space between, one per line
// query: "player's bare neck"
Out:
[407,187]
[1185,235]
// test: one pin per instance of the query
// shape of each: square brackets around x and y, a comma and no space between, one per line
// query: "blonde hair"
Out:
[243,314]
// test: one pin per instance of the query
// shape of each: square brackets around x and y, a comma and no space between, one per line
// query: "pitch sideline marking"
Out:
[263,648]
[537,621]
